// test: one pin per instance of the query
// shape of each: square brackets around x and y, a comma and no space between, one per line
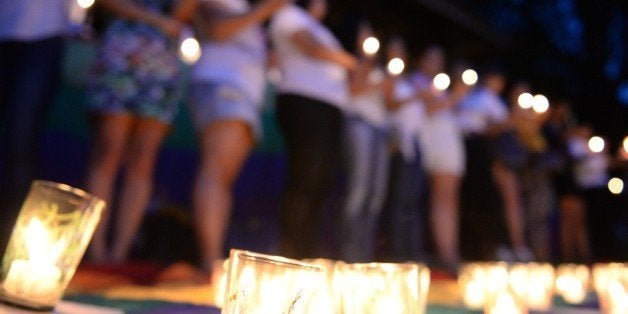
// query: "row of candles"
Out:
[259,283]
[502,288]
[57,221]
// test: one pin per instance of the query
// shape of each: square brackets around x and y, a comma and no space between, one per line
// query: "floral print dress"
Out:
[137,70]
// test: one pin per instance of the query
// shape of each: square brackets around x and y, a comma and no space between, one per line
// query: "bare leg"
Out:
[444,204]
[111,133]
[574,239]
[136,190]
[508,184]
[224,147]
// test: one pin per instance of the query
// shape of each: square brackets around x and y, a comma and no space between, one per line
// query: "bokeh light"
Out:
[540,104]
[85,4]
[596,144]
[190,50]
[616,185]
[396,66]
[370,45]
[469,77]
[525,100]
[626,144]
[441,81]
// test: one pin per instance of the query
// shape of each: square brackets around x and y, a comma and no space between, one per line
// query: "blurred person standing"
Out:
[225,100]
[536,185]
[312,94]
[404,211]
[31,51]
[366,153]
[558,131]
[591,176]
[443,148]
[134,92]
[493,152]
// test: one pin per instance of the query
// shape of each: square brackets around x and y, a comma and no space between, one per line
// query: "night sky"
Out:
[571,49]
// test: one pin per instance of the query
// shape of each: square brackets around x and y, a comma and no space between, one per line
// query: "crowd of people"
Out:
[424,166]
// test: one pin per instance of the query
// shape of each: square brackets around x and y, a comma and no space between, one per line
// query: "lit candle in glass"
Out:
[572,282]
[260,283]
[48,241]
[504,302]
[471,282]
[540,286]
[383,288]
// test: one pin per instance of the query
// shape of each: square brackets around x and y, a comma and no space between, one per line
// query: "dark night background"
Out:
[567,49]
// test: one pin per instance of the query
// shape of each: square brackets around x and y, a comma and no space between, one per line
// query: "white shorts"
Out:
[215,101]
[442,147]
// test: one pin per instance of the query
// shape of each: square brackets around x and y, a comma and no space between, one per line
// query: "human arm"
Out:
[304,40]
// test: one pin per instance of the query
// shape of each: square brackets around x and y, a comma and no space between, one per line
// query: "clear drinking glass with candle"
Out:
[505,302]
[260,283]
[51,234]
[539,288]
[610,281]
[572,282]
[471,282]
[383,288]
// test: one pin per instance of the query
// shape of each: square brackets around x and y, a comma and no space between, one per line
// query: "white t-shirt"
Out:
[480,109]
[408,121]
[302,74]
[239,60]
[30,20]
[591,168]
[370,105]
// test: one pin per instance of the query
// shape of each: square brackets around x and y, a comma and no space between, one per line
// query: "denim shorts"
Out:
[211,101]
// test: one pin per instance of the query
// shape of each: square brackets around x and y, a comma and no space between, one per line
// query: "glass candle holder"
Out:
[572,282]
[383,288]
[332,296]
[53,229]
[534,284]
[611,286]
[505,302]
[260,283]
[471,283]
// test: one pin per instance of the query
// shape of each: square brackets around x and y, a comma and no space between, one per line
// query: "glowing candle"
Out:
[469,77]
[37,278]
[504,302]
[396,66]
[441,81]
[615,185]
[540,104]
[525,100]
[571,282]
[370,46]
[189,49]
[596,144]
[539,286]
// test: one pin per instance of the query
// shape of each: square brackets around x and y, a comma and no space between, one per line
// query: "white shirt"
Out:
[301,74]
[30,20]
[370,105]
[239,60]
[590,169]
[479,109]
[408,121]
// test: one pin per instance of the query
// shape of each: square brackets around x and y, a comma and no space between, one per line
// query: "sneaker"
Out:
[524,254]
[503,253]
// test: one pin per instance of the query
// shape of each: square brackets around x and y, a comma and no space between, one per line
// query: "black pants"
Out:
[29,75]
[482,227]
[311,130]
